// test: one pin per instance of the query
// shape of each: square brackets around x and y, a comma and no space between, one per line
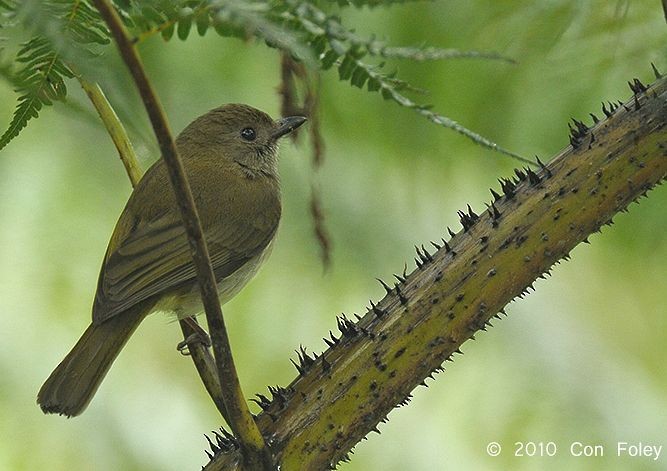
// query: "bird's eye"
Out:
[248,134]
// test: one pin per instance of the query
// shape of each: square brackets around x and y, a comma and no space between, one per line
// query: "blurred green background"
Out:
[582,359]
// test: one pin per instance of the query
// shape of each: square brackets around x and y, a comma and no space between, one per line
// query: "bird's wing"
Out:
[155,257]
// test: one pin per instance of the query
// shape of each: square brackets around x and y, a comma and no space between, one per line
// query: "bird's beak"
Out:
[287,125]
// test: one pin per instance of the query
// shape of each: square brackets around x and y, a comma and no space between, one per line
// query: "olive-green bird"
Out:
[230,156]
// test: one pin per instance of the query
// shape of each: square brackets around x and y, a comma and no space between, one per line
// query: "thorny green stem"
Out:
[373,365]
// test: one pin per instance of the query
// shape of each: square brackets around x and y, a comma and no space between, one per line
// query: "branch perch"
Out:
[342,394]
[255,453]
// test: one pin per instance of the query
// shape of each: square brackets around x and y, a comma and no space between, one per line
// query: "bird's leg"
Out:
[198,336]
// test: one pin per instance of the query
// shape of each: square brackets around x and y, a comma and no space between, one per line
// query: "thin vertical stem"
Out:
[255,452]
[201,356]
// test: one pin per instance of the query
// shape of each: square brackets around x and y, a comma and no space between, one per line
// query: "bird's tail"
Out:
[75,380]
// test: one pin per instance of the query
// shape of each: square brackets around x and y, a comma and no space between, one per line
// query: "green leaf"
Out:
[346,67]
[319,45]
[328,60]
[359,77]
[203,22]
[168,32]
[185,23]
[152,16]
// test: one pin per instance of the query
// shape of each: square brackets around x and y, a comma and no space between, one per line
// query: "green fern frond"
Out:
[299,27]
[336,46]
[229,18]
[64,26]
[288,24]
[40,83]
[161,17]
[359,74]
[319,24]
[259,19]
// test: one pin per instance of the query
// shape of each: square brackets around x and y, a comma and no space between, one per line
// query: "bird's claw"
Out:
[199,337]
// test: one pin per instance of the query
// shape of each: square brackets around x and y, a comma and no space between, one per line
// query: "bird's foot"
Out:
[199,336]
